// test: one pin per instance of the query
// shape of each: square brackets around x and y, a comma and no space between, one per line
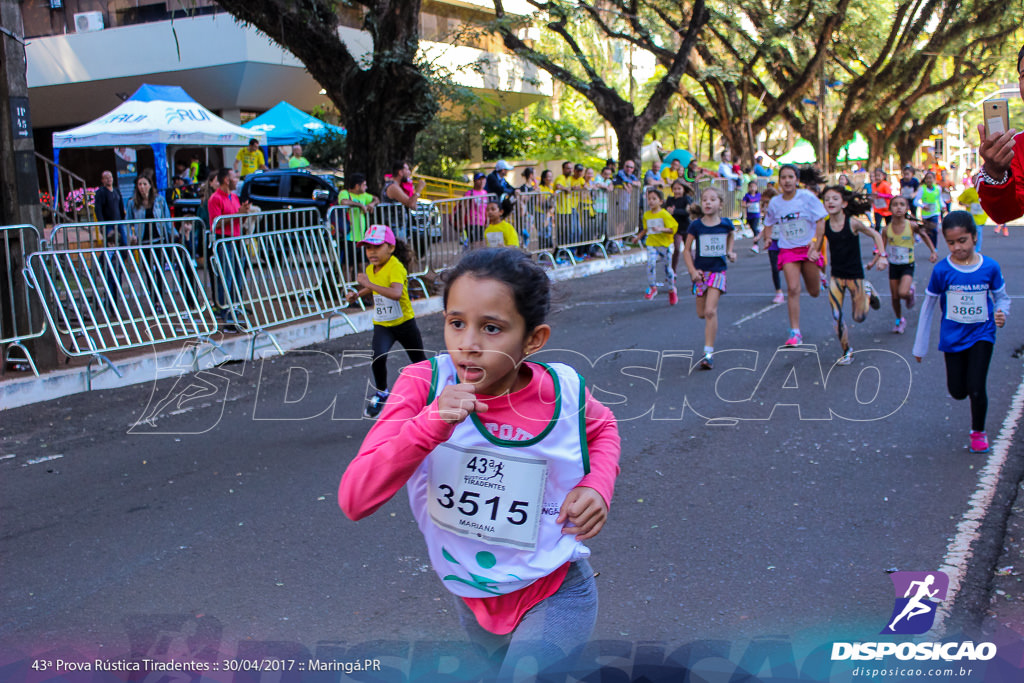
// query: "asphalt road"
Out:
[759,511]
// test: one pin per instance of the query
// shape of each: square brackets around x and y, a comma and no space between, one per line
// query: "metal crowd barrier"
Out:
[420,228]
[264,221]
[576,225]
[462,222]
[348,225]
[732,206]
[117,298]
[271,278]
[98,234]
[18,323]
[533,218]
[625,209]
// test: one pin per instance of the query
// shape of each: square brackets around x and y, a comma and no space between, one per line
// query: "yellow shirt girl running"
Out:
[387,279]
[898,238]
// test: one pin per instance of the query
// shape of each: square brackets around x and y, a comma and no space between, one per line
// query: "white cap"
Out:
[503,166]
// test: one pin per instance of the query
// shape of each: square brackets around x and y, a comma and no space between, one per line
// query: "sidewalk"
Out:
[149,363]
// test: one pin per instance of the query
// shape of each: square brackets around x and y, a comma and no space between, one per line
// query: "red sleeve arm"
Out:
[405,432]
[1004,203]
[604,447]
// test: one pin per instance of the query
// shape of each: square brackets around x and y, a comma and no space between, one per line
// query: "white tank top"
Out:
[487,507]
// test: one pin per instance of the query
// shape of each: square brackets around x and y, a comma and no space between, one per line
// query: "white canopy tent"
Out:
[157,116]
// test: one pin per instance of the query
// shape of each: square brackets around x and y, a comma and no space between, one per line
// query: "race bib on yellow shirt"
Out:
[385,310]
[656,225]
[899,255]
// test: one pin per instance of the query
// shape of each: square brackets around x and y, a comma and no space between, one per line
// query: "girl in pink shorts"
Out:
[797,218]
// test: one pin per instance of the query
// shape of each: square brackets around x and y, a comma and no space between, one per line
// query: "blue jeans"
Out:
[551,636]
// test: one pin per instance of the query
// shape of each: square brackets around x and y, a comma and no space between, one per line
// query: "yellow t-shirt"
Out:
[501,235]
[969,200]
[899,248]
[388,312]
[250,161]
[660,220]
[565,199]
[668,175]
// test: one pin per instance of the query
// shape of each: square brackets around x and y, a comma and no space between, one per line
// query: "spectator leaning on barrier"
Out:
[1000,183]
[673,172]
[250,159]
[653,176]
[529,180]
[497,185]
[725,170]
[362,202]
[627,176]
[476,216]
[399,187]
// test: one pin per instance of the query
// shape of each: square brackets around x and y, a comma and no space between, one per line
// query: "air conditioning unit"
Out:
[88,21]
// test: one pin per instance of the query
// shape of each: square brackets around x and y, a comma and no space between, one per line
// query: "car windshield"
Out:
[337,180]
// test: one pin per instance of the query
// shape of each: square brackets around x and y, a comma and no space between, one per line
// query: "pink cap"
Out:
[378,234]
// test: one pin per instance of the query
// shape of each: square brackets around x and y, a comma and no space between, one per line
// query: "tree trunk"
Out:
[383,105]
[382,127]
[631,139]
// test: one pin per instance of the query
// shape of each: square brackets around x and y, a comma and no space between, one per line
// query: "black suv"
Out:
[292,188]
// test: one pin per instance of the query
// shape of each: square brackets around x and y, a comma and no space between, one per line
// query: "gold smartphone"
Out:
[997,117]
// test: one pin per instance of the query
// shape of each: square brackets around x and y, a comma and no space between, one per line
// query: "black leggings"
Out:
[966,375]
[406,334]
[773,260]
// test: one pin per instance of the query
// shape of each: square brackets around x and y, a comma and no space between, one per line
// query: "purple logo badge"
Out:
[918,595]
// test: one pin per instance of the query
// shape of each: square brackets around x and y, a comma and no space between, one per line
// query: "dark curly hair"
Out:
[857,204]
[529,283]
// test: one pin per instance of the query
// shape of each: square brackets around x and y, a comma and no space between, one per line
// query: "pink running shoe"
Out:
[651,291]
[778,298]
[900,327]
[795,339]
[979,442]
[673,297]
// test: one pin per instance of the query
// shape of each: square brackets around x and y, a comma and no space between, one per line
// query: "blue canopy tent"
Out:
[683,155]
[156,116]
[285,124]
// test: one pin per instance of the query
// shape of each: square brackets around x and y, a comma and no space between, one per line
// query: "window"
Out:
[302,186]
[263,186]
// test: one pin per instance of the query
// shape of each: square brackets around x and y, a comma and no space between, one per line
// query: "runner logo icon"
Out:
[918,595]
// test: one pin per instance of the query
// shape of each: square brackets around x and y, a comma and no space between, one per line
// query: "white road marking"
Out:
[36,461]
[756,313]
[960,549]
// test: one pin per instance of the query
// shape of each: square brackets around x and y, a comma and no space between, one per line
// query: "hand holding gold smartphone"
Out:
[997,117]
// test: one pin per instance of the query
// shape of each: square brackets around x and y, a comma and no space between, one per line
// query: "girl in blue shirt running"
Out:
[971,294]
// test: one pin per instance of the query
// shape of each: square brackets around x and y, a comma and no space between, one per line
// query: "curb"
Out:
[147,367]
